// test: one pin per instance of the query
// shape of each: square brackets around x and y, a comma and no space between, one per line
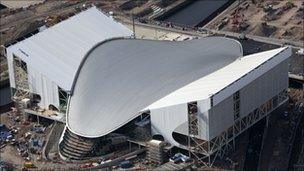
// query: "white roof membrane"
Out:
[211,84]
[121,77]
[57,51]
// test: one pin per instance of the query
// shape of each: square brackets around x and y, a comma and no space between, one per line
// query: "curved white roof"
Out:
[118,78]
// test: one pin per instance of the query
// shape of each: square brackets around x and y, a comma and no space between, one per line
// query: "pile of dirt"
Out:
[165,3]
[25,30]
[263,29]
[293,33]
[130,4]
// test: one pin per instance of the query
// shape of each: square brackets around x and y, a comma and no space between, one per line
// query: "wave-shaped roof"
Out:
[118,78]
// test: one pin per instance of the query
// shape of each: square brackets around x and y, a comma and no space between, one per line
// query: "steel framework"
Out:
[206,152]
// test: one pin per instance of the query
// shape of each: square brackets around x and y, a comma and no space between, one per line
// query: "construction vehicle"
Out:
[243,36]
[29,165]
[268,8]
[238,21]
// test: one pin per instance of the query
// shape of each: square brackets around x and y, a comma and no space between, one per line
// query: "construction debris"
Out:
[174,166]
[275,13]
[284,18]
[6,136]
[264,29]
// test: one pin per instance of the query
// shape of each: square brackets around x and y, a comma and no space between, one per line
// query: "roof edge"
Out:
[284,49]
[87,55]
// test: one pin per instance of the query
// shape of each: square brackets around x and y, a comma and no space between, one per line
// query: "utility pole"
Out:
[133,24]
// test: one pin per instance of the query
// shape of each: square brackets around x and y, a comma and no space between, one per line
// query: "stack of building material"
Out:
[155,152]
[174,166]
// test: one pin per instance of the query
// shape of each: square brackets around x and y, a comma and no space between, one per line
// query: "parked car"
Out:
[6,166]
[179,157]
[285,114]
[125,164]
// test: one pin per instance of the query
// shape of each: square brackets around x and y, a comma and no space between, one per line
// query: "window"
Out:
[20,63]
[236,95]
[63,100]
[192,118]
[211,101]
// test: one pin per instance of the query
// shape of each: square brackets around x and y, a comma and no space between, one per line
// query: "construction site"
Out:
[268,18]
[117,85]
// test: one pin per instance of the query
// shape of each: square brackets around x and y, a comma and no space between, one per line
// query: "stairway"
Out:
[75,147]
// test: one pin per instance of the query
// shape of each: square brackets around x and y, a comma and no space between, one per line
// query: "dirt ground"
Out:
[10,154]
[266,18]
[20,3]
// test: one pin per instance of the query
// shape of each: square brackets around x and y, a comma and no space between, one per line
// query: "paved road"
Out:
[296,77]
[279,42]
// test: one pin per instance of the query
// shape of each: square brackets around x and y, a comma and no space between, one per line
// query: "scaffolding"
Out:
[21,90]
[206,152]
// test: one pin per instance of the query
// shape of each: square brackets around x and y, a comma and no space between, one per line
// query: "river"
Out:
[5,98]
[2,7]
[195,13]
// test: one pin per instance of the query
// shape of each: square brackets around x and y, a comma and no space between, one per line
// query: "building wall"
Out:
[41,85]
[203,118]
[221,116]
[9,56]
[264,88]
[166,120]
[38,83]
